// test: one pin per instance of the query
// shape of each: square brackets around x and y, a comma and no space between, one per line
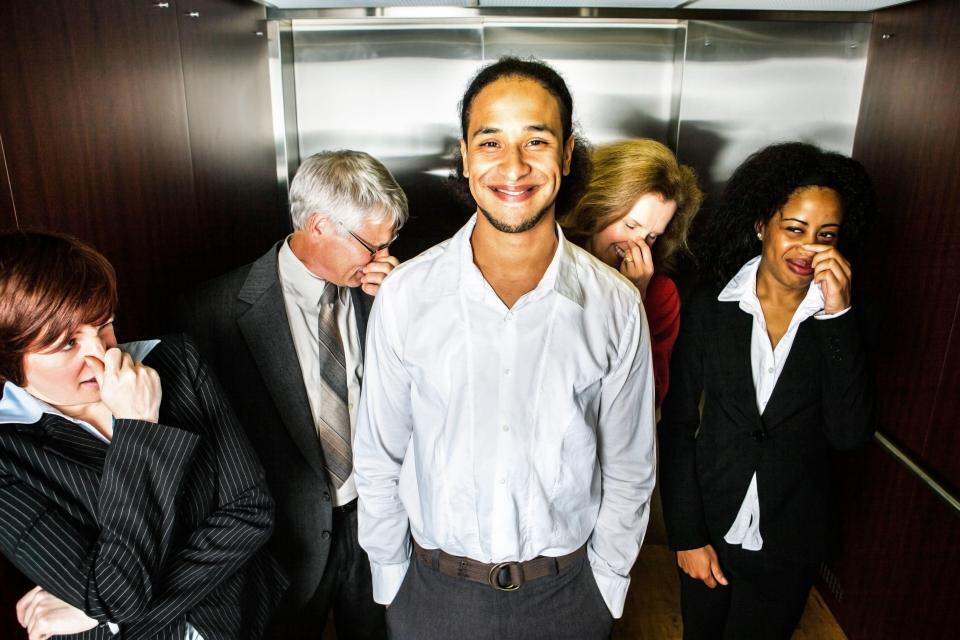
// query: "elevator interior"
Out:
[714,91]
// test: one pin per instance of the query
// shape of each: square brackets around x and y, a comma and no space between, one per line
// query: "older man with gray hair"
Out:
[285,335]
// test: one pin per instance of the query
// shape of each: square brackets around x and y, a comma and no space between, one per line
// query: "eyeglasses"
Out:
[372,248]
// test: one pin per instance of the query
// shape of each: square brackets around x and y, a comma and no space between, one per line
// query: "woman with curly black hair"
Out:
[778,361]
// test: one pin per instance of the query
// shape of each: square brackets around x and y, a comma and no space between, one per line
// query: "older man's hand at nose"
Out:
[378,269]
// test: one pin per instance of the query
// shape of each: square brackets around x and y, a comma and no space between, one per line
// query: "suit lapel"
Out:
[735,329]
[266,330]
[72,442]
[793,379]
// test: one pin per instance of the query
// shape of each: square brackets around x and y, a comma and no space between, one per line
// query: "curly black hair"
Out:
[574,184]
[761,186]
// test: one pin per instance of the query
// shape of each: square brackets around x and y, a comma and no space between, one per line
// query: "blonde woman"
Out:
[634,216]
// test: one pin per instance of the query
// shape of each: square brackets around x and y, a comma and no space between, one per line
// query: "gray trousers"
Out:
[433,606]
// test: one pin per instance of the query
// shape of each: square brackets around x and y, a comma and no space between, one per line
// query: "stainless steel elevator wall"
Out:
[748,84]
[714,91]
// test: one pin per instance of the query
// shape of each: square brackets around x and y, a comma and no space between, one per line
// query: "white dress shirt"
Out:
[301,296]
[505,434]
[766,363]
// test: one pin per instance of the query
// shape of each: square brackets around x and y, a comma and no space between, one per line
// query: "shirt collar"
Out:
[300,283]
[742,288]
[457,269]
[18,406]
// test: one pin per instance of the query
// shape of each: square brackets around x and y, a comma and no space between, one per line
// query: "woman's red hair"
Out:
[50,284]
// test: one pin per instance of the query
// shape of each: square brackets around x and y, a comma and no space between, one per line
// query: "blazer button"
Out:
[325,535]
[759,435]
[325,497]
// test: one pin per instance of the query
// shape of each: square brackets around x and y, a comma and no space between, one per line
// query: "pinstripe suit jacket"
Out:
[159,528]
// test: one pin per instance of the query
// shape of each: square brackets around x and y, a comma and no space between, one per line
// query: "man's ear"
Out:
[318,224]
[463,158]
[568,155]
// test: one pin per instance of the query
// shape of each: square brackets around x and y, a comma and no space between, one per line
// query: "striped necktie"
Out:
[333,427]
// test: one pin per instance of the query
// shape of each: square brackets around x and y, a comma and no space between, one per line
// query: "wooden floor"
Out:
[653,604]
[652,611]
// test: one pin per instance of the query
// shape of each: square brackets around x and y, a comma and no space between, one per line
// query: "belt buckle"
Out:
[493,576]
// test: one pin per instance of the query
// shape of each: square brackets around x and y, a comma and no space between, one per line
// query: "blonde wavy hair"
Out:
[622,172]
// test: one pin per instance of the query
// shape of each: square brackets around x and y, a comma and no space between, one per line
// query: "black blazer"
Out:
[824,400]
[158,528]
[240,322]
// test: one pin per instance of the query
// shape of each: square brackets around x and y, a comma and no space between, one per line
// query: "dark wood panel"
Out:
[900,556]
[942,451]
[94,127]
[908,138]
[897,572]
[8,216]
[225,67]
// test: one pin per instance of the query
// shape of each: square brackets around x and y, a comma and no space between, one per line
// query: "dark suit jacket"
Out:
[824,400]
[160,527]
[240,322]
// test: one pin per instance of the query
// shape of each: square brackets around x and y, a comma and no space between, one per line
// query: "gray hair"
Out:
[351,187]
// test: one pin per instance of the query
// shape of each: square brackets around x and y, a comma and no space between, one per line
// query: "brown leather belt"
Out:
[502,576]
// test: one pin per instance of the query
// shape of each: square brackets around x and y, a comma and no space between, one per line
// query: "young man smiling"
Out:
[505,435]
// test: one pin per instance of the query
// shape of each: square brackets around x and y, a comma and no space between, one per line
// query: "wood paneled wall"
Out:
[8,217]
[900,556]
[146,132]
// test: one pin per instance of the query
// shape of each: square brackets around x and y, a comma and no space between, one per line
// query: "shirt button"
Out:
[506,372]
[503,481]
[505,427]
[770,370]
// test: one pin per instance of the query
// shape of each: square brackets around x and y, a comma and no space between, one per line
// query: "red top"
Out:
[663,315]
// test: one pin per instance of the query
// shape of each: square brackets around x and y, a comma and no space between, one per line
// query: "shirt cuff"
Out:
[613,589]
[114,627]
[387,579]
[831,316]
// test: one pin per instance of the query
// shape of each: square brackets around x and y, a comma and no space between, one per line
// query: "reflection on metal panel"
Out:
[716,91]
[621,75]
[749,84]
[283,91]
[390,91]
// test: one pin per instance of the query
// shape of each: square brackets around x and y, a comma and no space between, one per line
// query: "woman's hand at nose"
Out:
[832,272]
[637,265]
[128,388]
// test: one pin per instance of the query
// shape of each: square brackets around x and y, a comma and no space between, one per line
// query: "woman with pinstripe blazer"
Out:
[128,492]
